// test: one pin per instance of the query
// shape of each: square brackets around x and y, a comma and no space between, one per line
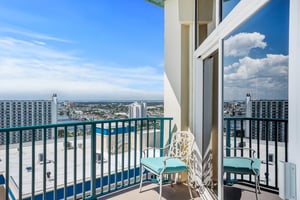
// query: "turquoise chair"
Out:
[177,160]
[244,165]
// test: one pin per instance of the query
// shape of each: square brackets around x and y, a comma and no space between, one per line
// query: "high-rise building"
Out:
[137,110]
[14,113]
[273,109]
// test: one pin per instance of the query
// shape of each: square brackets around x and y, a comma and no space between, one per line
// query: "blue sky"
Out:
[256,55]
[81,50]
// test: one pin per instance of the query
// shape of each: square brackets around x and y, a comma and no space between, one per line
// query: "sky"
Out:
[256,55]
[82,50]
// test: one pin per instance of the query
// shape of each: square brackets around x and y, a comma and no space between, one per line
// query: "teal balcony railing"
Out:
[83,160]
[268,137]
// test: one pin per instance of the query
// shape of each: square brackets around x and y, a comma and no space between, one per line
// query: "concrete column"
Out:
[294,95]
[176,80]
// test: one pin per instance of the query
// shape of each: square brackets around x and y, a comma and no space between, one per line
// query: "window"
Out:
[227,6]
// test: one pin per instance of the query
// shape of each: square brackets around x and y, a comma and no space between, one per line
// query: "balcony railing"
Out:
[268,137]
[76,160]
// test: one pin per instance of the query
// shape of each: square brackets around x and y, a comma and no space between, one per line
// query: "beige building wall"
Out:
[176,85]
[179,78]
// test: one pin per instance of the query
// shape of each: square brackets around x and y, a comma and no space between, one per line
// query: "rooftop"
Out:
[27,164]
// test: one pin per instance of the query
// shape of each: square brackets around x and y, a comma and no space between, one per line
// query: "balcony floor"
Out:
[150,191]
[242,192]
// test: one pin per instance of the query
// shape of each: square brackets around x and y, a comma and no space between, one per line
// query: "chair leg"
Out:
[256,186]
[160,186]
[141,177]
[189,187]
[258,178]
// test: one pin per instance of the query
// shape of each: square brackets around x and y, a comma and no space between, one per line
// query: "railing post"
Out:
[75,163]
[109,156]
[228,146]
[116,154]
[33,165]
[66,162]
[161,139]
[21,165]
[55,164]
[267,153]
[242,138]
[154,137]
[286,140]
[228,138]
[83,160]
[170,131]
[276,154]
[93,162]
[102,155]
[7,167]
[44,163]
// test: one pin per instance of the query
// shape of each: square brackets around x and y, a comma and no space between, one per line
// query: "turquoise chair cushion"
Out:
[241,165]
[173,165]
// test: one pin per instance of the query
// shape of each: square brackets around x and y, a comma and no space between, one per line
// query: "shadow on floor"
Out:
[242,192]
[150,191]
[232,193]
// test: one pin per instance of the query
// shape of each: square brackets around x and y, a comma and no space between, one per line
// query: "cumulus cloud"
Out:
[266,77]
[30,69]
[240,44]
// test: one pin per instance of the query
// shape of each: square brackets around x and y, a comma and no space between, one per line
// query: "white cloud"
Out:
[241,43]
[37,36]
[265,77]
[31,69]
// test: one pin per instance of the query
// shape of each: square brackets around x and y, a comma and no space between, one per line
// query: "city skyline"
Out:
[81,51]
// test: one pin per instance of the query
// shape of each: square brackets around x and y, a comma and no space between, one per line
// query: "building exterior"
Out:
[272,109]
[194,79]
[16,113]
[137,110]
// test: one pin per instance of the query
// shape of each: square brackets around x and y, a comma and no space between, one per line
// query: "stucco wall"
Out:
[176,67]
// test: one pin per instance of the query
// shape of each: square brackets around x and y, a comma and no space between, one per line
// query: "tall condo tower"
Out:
[16,113]
[274,109]
[137,110]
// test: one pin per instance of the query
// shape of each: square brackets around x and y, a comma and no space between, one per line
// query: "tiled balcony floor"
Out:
[150,191]
[242,192]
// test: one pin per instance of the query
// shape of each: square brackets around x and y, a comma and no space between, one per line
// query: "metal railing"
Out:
[77,160]
[268,137]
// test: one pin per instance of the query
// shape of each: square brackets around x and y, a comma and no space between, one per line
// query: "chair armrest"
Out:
[251,159]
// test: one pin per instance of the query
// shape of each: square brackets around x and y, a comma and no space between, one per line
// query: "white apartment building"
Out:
[272,109]
[16,113]
[137,110]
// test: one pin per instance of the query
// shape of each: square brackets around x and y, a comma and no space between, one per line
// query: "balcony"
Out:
[268,137]
[100,159]
[82,160]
